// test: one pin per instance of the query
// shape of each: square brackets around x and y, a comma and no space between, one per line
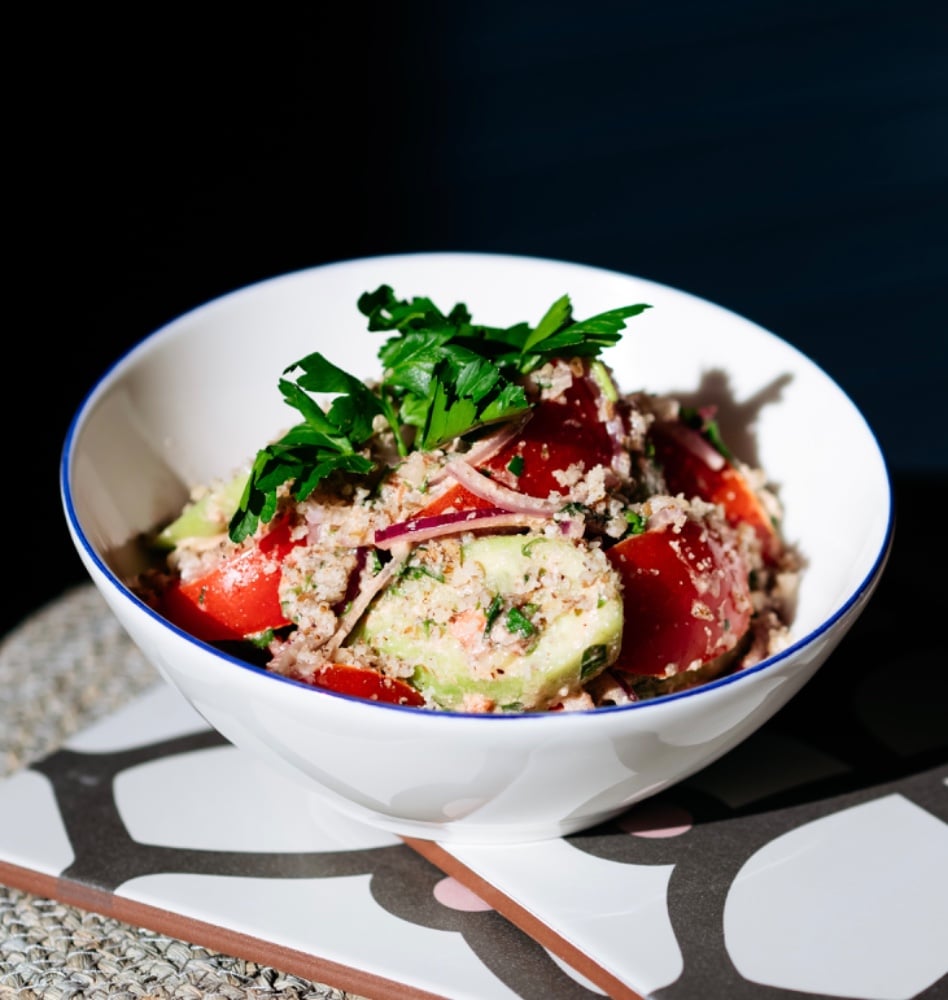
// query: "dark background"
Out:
[789,162]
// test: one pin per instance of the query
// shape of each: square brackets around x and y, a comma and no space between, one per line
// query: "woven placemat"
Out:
[62,668]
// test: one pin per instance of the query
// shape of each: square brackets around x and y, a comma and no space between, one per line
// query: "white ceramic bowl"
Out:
[200,395]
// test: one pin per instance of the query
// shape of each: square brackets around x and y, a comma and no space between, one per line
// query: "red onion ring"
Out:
[692,441]
[501,496]
[485,449]
[362,600]
[421,529]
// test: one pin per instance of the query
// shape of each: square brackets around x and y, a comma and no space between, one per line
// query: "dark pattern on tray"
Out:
[402,882]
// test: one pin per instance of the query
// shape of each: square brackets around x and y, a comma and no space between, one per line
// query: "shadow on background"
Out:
[790,164]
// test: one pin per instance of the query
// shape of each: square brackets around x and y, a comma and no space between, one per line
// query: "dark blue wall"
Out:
[787,161]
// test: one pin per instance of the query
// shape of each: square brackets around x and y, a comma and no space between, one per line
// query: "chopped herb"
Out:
[415,572]
[493,611]
[262,639]
[593,658]
[527,549]
[518,623]
[636,522]
[515,465]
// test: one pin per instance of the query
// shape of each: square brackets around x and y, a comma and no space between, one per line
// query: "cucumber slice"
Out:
[502,623]
[207,516]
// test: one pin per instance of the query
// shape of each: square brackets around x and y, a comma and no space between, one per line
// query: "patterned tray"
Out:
[791,867]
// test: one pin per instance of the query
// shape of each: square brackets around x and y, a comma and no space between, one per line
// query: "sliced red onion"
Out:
[695,443]
[500,496]
[485,449]
[410,530]
[572,527]
[611,418]
[422,529]
[362,600]
[670,513]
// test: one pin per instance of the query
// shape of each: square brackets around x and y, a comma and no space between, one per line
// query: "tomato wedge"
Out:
[679,449]
[361,682]
[686,598]
[238,597]
[559,434]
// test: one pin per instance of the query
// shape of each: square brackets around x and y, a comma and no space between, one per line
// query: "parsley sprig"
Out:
[443,377]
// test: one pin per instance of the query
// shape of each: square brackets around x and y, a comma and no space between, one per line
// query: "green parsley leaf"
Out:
[559,314]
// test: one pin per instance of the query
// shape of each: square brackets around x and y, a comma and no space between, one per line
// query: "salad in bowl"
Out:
[494,525]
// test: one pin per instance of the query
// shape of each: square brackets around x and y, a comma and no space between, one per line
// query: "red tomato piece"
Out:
[686,597]
[457,497]
[361,682]
[686,472]
[237,598]
[559,434]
